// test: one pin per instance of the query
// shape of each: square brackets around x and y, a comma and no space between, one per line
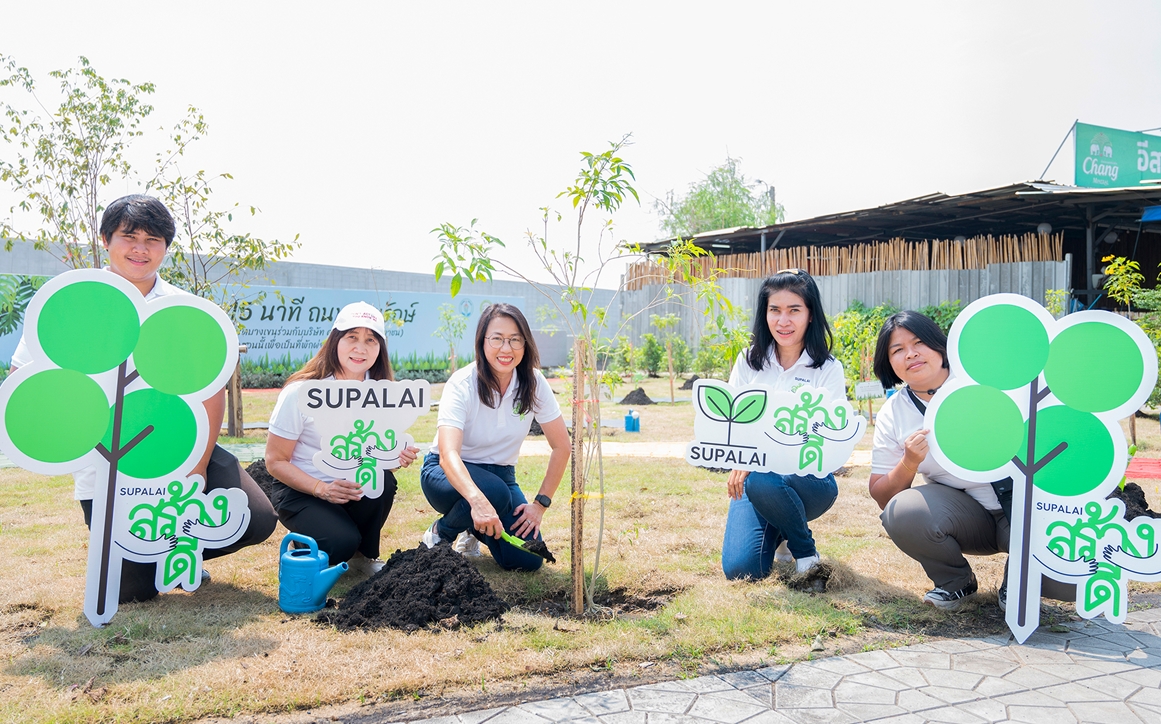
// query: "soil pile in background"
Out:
[688,384]
[637,397]
[262,476]
[1135,503]
[535,429]
[417,588]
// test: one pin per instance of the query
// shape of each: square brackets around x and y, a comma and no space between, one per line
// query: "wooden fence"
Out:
[894,255]
[904,288]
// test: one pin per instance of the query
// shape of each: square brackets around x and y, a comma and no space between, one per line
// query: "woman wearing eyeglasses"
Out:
[769,512]
[485,413]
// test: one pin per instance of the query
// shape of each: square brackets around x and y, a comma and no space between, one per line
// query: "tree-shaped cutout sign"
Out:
[1039,400]
[119,384]
[799,432]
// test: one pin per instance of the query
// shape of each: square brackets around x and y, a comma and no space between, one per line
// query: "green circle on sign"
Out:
[89,327]
[181,350]
[1003,346]
[1094,366]
[1086,460]
[979,428]
[56,416]
[167,445]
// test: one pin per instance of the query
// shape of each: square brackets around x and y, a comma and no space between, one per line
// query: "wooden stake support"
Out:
[578,477]
[235,426]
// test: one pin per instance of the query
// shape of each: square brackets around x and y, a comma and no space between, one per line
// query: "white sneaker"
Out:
[805,564]
[430,537]
[360,563]
[783,554]
[467,544]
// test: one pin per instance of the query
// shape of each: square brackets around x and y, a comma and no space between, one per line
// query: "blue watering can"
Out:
[303,577]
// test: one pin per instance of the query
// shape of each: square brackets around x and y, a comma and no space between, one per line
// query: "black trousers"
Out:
[339,530]
[223,471]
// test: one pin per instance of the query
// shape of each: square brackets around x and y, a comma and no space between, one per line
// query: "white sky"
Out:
[361,126]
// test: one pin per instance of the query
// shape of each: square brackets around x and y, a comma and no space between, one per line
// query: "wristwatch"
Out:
[544,500]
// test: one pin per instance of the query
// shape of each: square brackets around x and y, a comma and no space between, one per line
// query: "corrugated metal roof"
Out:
[1012,209]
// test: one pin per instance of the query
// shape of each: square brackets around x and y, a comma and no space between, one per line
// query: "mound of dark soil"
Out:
[637,397]
[688,384]
[1135,503]
[535,429]
[262,476]
[418,588]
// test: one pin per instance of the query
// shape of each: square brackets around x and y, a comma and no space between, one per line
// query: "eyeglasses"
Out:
[498,342]
[799,272]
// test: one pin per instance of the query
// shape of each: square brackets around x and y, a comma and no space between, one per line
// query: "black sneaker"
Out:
[1002,597]
[950,600]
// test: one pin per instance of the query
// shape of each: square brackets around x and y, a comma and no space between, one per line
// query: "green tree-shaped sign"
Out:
[1038,400]
[118,383]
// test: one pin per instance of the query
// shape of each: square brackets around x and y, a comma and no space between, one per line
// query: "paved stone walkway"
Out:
[1089,671]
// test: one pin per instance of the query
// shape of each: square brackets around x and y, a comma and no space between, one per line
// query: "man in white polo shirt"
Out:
[137,231]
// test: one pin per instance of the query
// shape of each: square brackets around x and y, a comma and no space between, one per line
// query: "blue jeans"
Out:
[498,484]
[773,508]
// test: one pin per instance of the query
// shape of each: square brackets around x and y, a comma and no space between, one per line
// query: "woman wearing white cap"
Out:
[485,413]
[332,511]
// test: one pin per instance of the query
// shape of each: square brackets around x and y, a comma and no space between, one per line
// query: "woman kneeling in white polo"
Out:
[485,413]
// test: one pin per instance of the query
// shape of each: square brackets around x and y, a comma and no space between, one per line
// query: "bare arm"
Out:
[484,517]
[278,452]
[215,412]
[884,487]
[529,515]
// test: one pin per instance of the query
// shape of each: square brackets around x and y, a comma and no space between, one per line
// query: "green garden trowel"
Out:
[535,547]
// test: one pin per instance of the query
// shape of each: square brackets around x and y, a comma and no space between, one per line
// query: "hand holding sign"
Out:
[361,425]
[803,432]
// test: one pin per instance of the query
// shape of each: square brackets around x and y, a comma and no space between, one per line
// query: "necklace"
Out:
[929,393]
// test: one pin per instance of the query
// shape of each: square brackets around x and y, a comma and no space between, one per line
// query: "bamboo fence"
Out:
[894,255]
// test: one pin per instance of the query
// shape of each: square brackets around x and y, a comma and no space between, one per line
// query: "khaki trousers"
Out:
[936,525]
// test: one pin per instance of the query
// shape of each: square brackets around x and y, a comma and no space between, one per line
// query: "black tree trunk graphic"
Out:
[113,454]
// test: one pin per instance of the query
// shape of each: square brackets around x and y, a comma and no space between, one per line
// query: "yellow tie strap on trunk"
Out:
[587,496]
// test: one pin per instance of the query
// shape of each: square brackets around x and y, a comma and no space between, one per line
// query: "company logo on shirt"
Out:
[516,410]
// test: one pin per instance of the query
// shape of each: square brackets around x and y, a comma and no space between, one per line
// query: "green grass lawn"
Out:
[227,650]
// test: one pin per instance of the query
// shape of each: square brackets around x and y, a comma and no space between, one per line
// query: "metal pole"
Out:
[762,258]
[1088,256]
[1062,142]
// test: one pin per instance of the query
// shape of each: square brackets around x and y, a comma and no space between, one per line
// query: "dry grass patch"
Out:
[227,649]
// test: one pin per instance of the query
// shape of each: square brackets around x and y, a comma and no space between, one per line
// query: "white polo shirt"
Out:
[894,423]
[492,436]
[85,480]
[829,376]
[288,421]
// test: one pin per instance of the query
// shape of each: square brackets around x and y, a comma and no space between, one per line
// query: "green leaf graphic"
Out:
[181,350]
[1094,367]
[89,327]
[979,428]
[167,446]
[1084,464]
[56,416]
[718,402]
[1014,330]
[749,407]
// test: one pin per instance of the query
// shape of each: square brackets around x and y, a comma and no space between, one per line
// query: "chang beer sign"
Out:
[1112,158]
